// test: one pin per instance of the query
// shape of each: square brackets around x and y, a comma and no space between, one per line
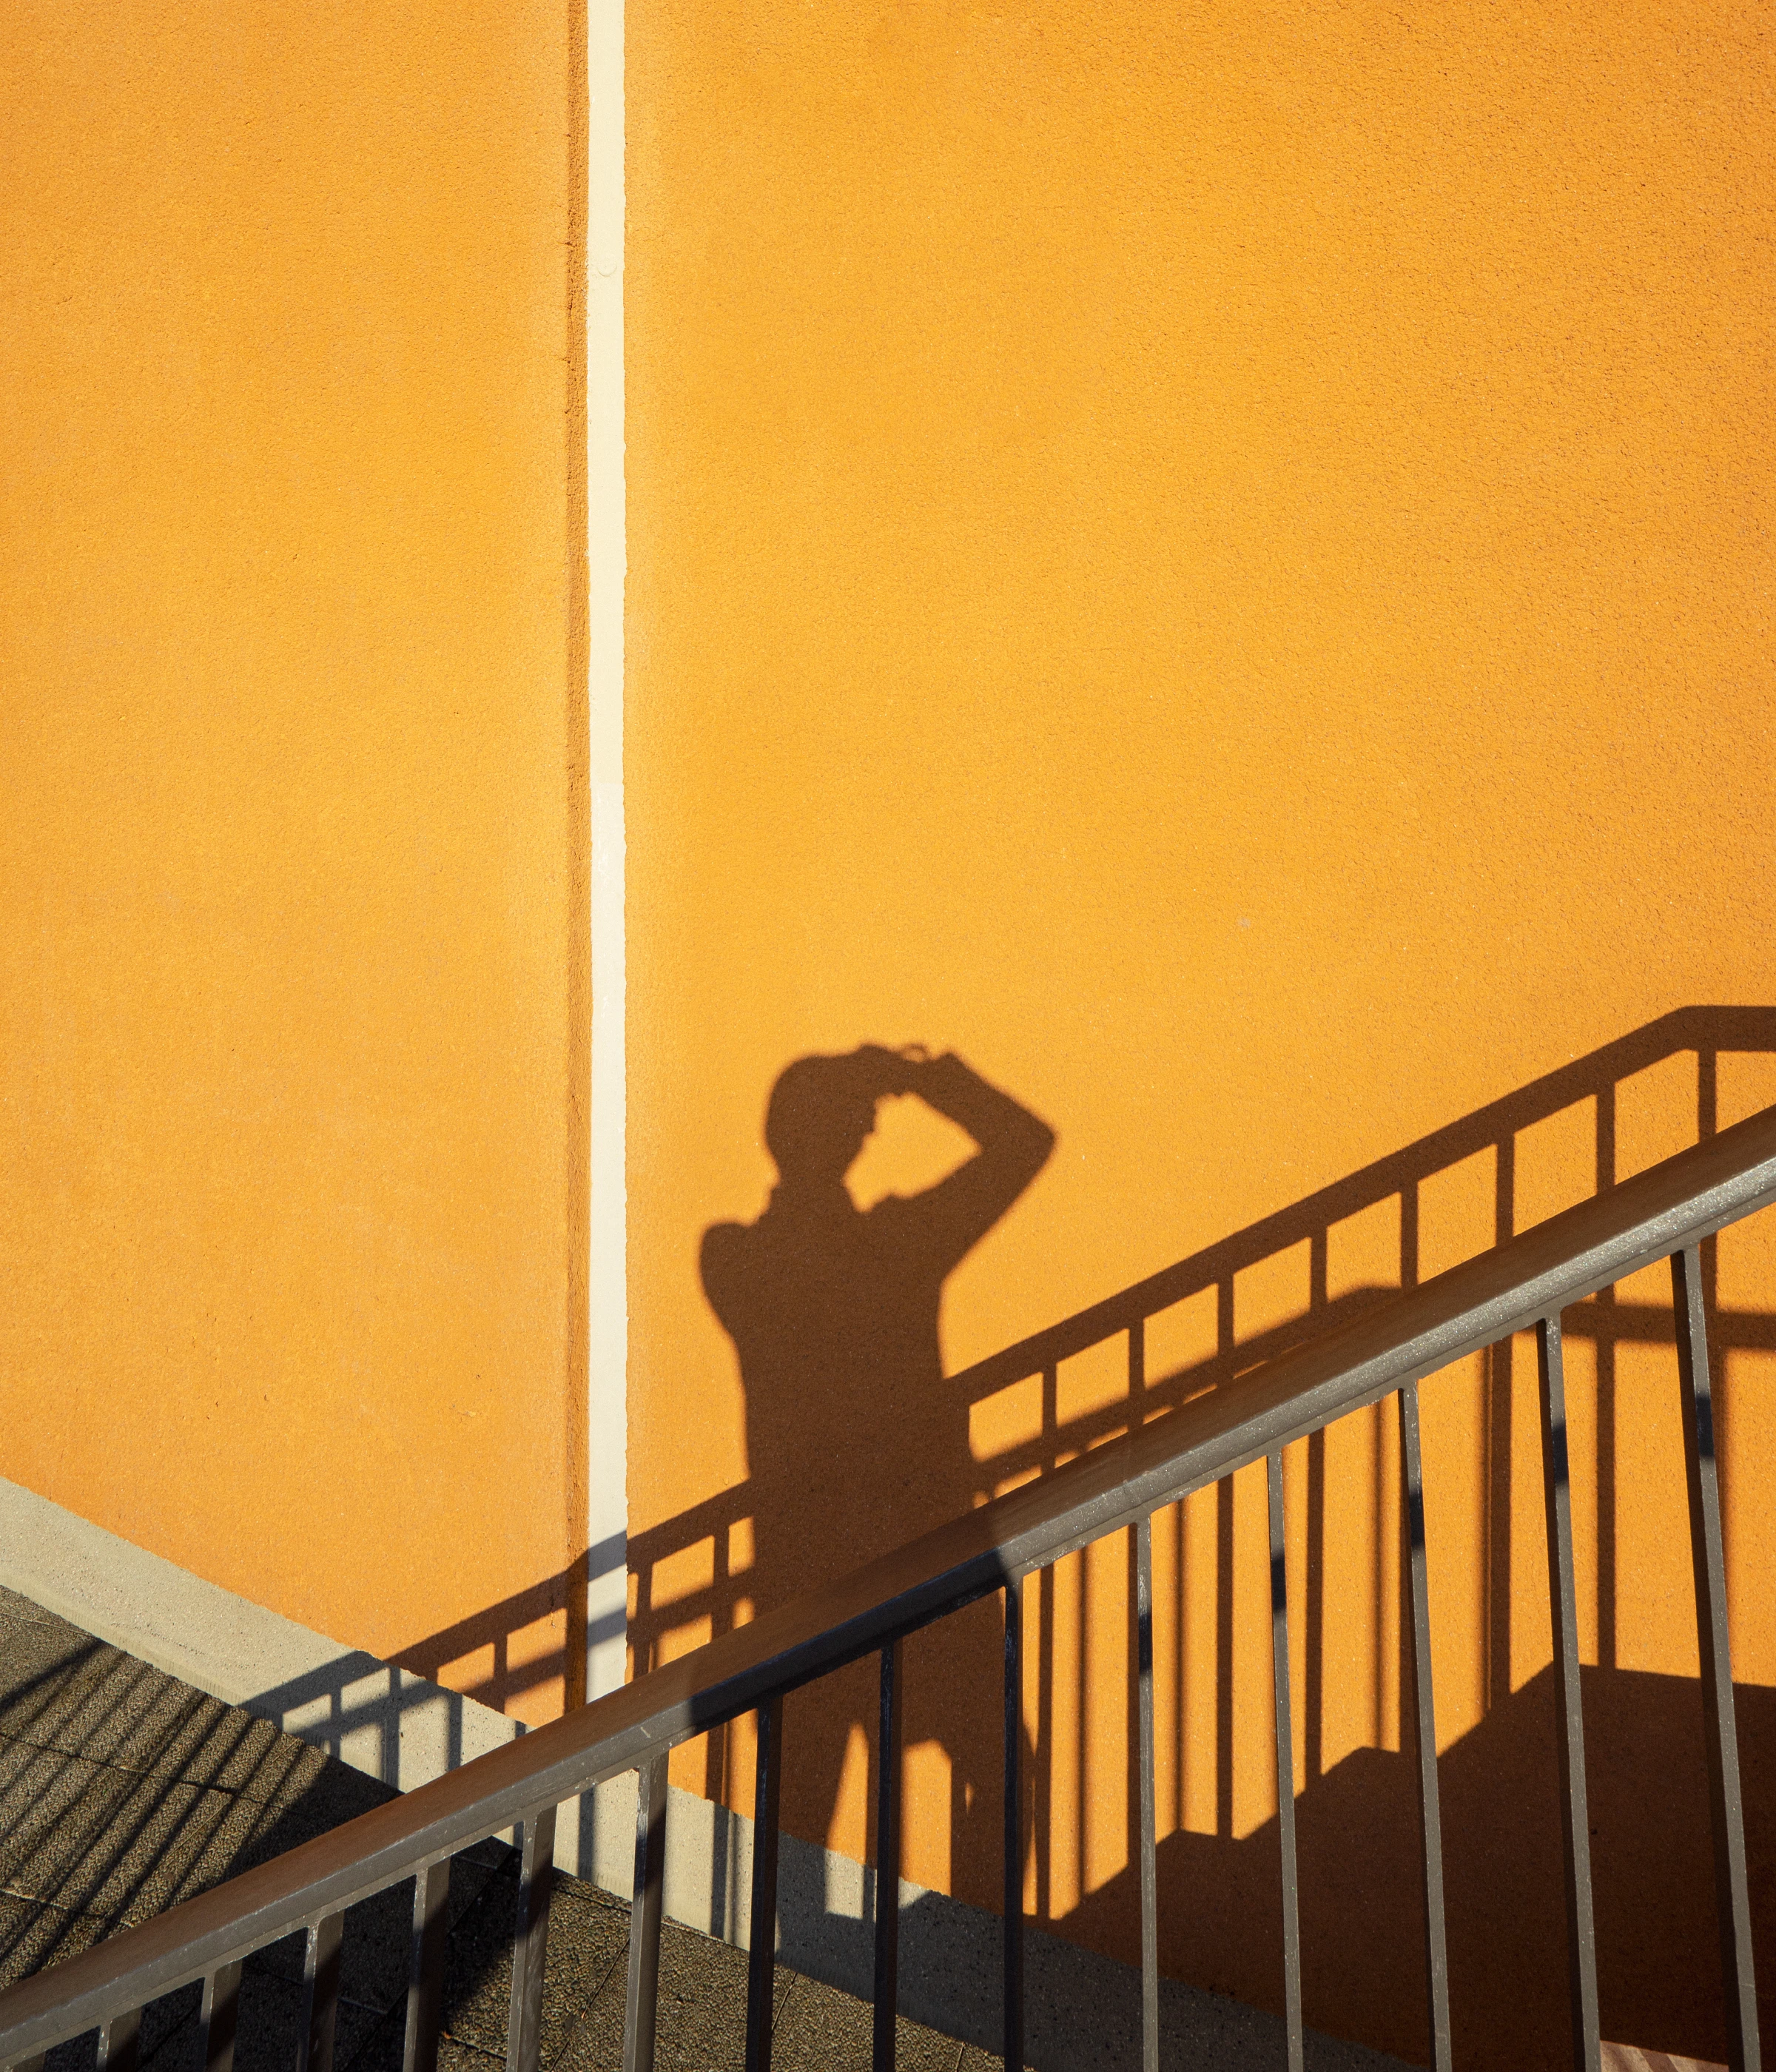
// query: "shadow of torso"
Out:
[853,1444]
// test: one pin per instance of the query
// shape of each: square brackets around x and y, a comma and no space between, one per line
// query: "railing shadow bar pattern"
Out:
[1525,1284]
[1708,1033]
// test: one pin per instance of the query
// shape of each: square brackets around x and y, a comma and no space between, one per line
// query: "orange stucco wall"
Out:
[1216,560]
[290,849]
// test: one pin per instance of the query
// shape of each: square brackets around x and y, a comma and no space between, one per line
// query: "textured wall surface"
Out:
[286,1190]
[1215,560]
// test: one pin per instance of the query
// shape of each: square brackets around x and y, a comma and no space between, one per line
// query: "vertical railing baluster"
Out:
[762,1957]
[425,1979]
[220,2018]
[1012,1979]
[314,2031]
[1285,1763]
[1563,1605]
[887,1994]
[1430,1818]
[1143,1773]
[645,1911]
[120,2042]
[1702,1471]
[530,1941]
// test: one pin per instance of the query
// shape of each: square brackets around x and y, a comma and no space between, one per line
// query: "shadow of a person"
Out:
[854,1443]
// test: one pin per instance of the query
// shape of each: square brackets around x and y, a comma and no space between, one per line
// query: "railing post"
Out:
[1436,1959]
[530,1943]
[1285,1763]
[425,1982]
[220,2018]
[1013,1979]
[884,2017]
[120,2042]
[1563,1605]
[1701,1468]
[320,1994]
[645,1909]
[762,1957]
[1143,1773]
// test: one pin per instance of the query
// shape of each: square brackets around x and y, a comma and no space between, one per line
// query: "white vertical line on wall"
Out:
[607,1410]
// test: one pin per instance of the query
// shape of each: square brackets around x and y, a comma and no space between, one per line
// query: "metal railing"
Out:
[1524,1285]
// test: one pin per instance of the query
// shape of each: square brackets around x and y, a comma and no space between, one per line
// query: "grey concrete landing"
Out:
[123,1791]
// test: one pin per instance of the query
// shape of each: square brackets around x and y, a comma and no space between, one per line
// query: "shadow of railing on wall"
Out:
[445,1699]
[1198,1324]
[537,1638]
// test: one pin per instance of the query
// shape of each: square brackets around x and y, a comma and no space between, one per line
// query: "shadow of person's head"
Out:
[820,1114]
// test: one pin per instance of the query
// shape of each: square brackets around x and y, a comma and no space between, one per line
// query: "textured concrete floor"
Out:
[123,1791]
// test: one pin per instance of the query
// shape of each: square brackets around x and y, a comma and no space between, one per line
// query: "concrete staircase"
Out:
[124,1790]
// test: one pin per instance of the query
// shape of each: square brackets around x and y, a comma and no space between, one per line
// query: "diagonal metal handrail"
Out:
[1663,1212]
